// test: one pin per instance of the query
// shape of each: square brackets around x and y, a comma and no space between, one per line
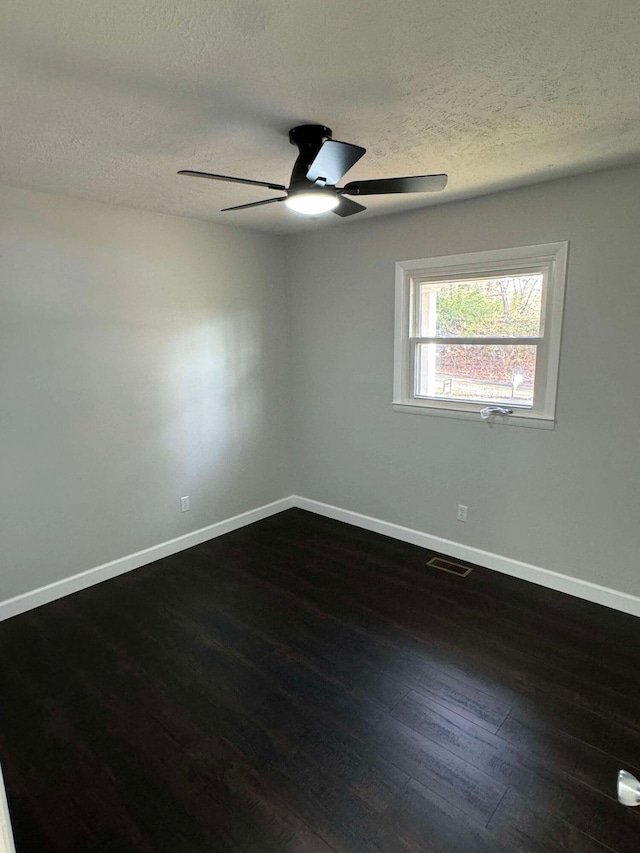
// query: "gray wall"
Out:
[145,357]
[142,357]
[566,499]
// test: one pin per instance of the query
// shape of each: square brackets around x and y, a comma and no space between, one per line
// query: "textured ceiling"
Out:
[107,100]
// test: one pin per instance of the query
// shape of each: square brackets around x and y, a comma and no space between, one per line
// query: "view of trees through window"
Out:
[508,307]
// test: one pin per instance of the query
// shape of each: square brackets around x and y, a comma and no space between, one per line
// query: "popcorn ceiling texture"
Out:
[107,101]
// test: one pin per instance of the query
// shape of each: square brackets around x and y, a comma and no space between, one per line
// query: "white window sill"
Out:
[520,419]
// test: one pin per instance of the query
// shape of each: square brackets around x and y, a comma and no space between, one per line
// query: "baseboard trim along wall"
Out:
[613,598]
[74,583]
[535,574]
[6,833]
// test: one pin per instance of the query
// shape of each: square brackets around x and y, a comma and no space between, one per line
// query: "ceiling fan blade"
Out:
[348,207]
[211,177]
[253,204]
[416,184]
[333,161]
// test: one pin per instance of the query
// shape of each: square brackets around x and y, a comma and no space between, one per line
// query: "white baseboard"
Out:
[6,834]
[623,601]
[74,583]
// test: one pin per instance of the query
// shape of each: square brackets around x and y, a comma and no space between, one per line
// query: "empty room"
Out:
[319,370]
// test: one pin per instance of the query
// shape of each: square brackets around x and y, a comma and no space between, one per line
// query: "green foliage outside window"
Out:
[490,308]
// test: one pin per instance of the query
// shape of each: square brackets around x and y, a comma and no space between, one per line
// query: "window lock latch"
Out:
[494,410]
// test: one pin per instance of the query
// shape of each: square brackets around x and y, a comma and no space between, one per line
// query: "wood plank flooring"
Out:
[303,685]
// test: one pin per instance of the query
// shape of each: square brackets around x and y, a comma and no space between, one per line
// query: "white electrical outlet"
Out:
[184,503]
[462,512]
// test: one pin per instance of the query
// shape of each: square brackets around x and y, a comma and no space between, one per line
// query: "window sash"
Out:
[540,372]
[539,341]
[415,308]
[500,341]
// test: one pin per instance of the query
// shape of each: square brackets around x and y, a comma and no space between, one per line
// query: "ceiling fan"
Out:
[321,163]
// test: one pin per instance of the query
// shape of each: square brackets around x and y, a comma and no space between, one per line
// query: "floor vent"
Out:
[448,566]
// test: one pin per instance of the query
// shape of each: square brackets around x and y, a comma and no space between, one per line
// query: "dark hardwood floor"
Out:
[303,685]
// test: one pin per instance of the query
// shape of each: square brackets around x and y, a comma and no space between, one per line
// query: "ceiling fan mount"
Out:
[321,163]
[309,137]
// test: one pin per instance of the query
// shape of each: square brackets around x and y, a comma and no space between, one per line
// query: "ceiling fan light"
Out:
[312,202]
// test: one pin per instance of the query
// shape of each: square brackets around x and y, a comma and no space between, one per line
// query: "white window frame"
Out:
[548,258]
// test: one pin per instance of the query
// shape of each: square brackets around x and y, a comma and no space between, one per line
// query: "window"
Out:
[480,333]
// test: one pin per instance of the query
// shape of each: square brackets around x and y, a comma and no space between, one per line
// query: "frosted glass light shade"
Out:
[312,202]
